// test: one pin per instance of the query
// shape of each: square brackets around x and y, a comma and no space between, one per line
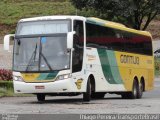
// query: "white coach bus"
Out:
[72,55]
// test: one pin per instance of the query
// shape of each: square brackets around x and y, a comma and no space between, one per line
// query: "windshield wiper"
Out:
[35,52]
[46,61]
[41,54]
[33,56]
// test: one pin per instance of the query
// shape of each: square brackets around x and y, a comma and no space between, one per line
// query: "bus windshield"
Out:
[36,53]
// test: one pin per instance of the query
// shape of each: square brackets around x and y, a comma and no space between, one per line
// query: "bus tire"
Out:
[140,90]
[133,94]
[87,94]
[41,97]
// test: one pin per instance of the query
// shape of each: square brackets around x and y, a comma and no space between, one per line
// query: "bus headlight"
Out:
[62,77]
[17,78]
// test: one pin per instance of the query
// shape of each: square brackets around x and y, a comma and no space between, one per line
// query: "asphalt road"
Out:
[114,104]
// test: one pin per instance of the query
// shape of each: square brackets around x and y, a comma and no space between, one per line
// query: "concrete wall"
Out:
[5,58]
[156,45]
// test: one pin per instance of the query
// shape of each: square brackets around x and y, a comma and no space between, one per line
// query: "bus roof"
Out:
[116,26]
[90,19]
[58,17]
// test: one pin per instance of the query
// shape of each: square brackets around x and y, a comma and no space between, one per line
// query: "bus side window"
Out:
[78,44]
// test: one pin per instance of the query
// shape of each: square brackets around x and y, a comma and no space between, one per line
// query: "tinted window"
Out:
[114,39]
[78,44]
[136,43]
[103,37]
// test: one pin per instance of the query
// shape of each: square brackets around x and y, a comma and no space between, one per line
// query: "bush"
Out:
[5,75]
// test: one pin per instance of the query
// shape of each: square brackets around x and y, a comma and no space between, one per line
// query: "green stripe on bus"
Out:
[109,66]
[114,67]
[47,76]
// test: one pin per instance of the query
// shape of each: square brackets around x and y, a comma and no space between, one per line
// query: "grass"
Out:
[10,13]
[6,92]
[6,88]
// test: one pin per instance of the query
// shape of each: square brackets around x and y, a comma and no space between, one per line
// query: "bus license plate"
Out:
[39,87]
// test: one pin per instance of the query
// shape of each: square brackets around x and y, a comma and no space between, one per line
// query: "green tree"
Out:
[133,13]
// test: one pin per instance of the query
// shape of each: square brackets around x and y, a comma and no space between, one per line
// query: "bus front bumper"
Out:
[60,86]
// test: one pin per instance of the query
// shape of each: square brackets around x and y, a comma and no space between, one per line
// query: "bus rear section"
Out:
[121,58]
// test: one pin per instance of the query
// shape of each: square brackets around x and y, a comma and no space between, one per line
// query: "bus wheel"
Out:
[133,94]
[140,90]
[87,94]
[41,97]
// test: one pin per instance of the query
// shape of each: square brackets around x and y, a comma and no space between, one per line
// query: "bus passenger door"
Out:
[77,54]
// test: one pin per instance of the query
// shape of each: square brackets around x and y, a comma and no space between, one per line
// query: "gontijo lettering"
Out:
[129,59]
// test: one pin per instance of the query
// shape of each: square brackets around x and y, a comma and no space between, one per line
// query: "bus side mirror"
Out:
[70,40]
[7,41]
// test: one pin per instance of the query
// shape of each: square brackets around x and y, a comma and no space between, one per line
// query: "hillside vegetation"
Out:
[13,10]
